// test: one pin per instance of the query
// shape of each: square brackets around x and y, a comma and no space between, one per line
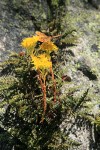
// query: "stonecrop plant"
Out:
[38,49]
[30,107]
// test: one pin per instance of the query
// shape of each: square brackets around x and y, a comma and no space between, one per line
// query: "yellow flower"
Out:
[29,42]
[48,46]
[41,62]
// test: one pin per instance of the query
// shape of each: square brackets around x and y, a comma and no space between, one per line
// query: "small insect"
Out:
[45,38]
[21,53]
[66,78]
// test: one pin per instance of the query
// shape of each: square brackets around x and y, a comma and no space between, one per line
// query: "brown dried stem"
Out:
[42,81]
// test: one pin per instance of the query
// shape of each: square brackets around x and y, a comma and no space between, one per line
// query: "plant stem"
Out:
[43,87]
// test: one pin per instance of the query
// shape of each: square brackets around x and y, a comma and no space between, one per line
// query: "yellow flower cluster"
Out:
[48,46]
[41,62]
[29,42]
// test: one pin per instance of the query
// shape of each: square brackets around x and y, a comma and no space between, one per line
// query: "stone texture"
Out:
[84,70]
[81,62]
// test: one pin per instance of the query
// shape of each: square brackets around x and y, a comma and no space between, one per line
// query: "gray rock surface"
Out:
[83,65]
[84,69]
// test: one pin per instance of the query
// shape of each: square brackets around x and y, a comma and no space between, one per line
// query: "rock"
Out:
[84,69]
[19,19]
[82,61]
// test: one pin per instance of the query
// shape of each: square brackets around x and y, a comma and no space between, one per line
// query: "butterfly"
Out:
[45,38]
